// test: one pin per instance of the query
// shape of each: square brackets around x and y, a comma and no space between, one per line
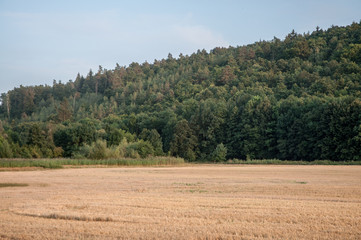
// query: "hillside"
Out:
[295,99]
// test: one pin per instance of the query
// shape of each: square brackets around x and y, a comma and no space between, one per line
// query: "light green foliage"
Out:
[353,53]
[219,154]
[98,150]
[60,162]
[142,148]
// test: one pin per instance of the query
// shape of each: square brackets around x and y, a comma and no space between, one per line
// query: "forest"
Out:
[297,98]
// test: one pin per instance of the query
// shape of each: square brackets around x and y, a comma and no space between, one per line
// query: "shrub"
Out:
[25,152]
[35,152]
[153,137]
[5,150]
[145,149]
[82,152]
[16,150]
[58,152]
[98,150]
[219,154]
[190,155]
[122,147]
[47,153]
[132,153]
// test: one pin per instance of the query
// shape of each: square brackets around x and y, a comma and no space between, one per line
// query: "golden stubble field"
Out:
[191,202]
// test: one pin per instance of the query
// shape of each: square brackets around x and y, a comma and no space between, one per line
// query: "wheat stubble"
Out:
[193,202]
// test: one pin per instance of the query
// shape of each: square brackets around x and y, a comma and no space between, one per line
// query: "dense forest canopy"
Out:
[298,99]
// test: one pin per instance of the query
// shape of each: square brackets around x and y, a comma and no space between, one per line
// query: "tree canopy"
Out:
[295,99]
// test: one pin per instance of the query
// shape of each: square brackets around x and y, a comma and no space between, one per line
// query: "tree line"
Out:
[291,99]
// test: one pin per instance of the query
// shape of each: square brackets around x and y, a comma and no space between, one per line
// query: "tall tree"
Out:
[64,111]
[184,141]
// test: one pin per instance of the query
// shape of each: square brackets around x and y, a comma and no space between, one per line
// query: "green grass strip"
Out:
[288,162]
[13,185]
[61,162]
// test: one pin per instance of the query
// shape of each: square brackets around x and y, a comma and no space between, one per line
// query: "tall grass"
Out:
[288,162]
[151,161]
[61,162]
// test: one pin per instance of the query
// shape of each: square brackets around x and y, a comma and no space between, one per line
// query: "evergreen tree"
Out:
[184,142]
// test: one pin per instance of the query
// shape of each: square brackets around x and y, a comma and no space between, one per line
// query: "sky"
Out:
[42,40]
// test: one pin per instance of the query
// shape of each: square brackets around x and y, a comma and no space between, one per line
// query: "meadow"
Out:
[182,202]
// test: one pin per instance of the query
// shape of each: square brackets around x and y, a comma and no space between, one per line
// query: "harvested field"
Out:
[192,202]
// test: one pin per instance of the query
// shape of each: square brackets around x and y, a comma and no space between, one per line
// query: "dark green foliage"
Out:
[63,137]
[72,136]
[5,150]
[184,141]
[295,99]
[207,124]
[153,137]
[287,162]
[32,139]
[114,136]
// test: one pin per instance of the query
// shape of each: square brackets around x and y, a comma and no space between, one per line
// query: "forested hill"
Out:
[296,98]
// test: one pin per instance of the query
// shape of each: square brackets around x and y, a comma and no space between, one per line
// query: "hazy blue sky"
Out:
[45,40]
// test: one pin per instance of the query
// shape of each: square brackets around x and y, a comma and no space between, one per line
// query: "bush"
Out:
[82,152]
[132,153]
[219,154]
[16,150]
[35,152]
[145,149]
[58,152]
[121,149]
[47,153]
[153,137]
[25,152]
[98,150]
[5,149]
[190,155]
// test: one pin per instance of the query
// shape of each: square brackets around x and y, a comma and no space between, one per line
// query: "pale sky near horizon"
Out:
[42,40]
